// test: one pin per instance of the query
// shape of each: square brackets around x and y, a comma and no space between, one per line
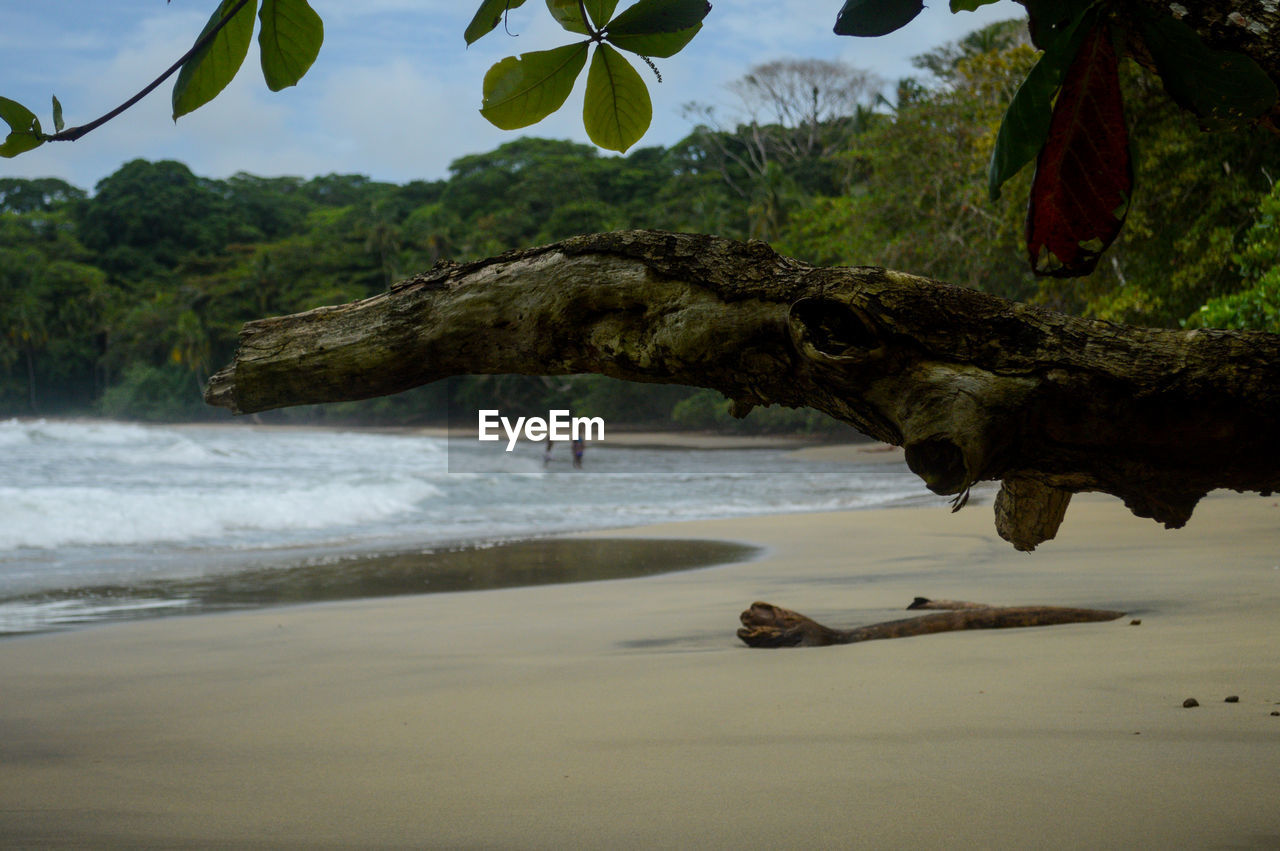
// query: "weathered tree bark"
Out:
[973,386]
[767,625]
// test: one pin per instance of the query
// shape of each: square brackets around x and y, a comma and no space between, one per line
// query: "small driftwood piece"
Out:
[767,625]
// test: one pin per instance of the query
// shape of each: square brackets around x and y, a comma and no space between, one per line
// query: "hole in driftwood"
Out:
[833,327]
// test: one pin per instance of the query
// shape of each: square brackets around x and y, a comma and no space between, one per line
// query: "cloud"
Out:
[398,121]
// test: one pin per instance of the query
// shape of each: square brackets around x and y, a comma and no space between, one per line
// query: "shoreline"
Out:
[630,437]
[103,556]
[354,574]
[626,714]
[471,566]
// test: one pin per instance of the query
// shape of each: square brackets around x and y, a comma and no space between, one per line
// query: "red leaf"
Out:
[1083,174]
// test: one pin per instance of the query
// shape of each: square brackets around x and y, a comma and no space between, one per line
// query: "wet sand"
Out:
[625,714]
[508,564]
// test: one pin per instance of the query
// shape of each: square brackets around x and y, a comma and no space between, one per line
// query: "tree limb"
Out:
[973,386]
[767,625]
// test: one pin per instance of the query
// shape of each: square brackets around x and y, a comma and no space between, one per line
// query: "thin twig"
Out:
[586,22]
[73,133]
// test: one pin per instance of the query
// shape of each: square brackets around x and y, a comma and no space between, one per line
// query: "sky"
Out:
[395,92]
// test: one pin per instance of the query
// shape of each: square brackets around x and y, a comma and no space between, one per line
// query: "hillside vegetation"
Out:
[119,302]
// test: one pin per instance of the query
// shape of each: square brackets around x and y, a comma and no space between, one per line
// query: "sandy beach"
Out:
[626,714]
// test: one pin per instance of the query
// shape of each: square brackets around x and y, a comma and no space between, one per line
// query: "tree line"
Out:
[122,301]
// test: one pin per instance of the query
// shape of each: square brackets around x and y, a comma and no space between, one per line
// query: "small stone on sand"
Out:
[1190,702]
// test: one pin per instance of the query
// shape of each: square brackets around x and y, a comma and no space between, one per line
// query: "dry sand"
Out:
[625,714]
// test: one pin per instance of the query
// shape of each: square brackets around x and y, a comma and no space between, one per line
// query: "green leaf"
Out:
[487,18]
[876,17]
[660,45]
[1224,88]
[207,73]
[524,90]
[24,128]
[601,11]
[289,41]
[649,17]
[1025,125]
[18,117]
[18,143]
[969,5]
[57,115]
[616,110]
[1026,122]
[568,14]
[1053,23]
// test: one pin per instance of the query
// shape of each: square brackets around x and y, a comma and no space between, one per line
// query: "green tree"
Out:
[921,206]
[148,216]
[922,203]
[40,195]
[1256,306]
[793,121]
[267,208]
[54,305]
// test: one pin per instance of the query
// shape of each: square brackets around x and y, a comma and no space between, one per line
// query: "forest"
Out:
[120,302]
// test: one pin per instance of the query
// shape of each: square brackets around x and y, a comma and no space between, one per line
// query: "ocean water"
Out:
[90,510]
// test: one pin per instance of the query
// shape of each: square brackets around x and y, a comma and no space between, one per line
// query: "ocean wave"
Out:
[15,432]
[42,518]
[87,503]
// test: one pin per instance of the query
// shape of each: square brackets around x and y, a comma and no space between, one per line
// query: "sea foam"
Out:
[62,516]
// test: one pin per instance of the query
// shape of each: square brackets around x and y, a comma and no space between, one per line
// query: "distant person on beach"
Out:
[546,453]
[579,447]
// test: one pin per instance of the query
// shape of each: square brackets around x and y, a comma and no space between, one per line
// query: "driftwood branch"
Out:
[767,625]
[974,387]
